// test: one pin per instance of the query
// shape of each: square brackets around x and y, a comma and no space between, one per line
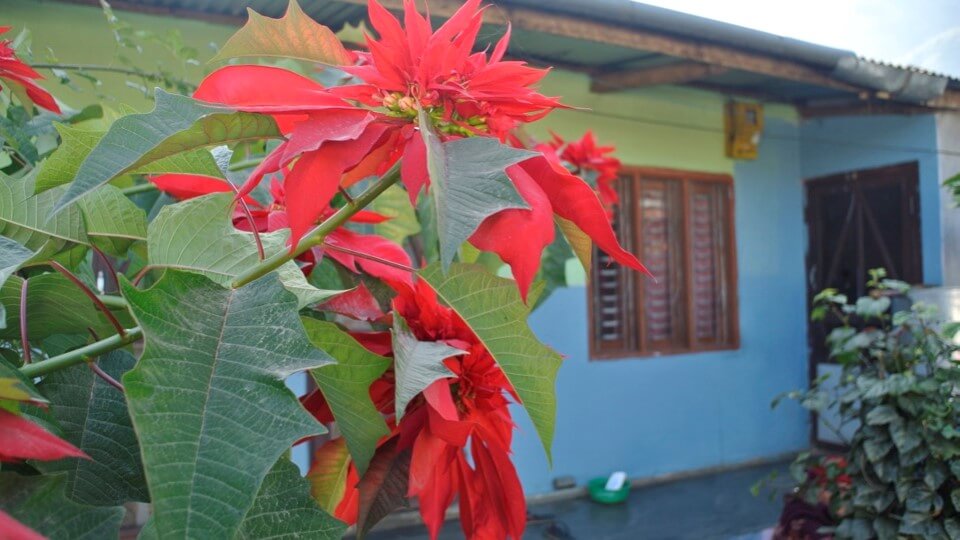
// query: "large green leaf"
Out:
[177,124]
[112,221]
[63,163]
[54,306]
[208,400]
[295,35]
[198,235]
[284,509]
[469,183]
[93,416]
[346,387]
[26,217]
[418,363]
[492,307]
[76,144]
[39,502]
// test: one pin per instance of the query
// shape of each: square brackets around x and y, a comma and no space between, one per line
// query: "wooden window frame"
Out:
[686,180]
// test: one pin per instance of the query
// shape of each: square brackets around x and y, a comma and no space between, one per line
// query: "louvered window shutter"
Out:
[680,225]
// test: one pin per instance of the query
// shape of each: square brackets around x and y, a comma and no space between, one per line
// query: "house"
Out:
[677,374]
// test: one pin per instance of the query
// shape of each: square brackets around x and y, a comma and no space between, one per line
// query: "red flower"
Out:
[468,93]
[14,71]
[14,530]
[589,161]
[469,408]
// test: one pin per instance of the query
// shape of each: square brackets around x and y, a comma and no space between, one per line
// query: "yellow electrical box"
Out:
[743,123]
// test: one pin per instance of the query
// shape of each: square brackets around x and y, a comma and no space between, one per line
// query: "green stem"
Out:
[80,355]
[320,232]
[245,164]
[139,188]
[113,302]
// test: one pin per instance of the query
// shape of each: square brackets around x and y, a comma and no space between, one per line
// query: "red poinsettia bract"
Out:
[349,248]
[14,71]
[21,439]
[589,159]
[465,414]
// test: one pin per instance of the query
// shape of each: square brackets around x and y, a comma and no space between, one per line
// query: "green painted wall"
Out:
[80,34]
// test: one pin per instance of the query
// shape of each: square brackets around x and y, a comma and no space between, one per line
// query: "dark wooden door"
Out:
[857,221]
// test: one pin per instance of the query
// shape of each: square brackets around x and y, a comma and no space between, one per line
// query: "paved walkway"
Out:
[713,507]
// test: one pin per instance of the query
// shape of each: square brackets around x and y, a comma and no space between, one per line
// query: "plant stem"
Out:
[80,355]
[317,235]
[112,69]
[112,301]
[139,188]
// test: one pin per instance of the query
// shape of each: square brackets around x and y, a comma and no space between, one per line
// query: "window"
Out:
[680,225]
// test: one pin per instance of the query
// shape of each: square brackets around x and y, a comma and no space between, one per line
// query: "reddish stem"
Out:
[92,364]
[369,257]
[23,323]
[253,225]
[104,375]
[142,274]
[91,295]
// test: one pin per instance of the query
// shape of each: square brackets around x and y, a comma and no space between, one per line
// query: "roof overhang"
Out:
[625,45]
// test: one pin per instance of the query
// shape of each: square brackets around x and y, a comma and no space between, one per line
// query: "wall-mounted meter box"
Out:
[743,124]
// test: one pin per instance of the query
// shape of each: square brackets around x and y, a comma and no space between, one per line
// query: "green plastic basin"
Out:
[599,493]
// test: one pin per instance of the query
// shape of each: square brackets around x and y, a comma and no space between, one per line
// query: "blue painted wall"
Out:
[844,144]
[658,415]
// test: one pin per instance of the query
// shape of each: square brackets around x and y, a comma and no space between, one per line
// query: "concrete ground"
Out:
[711,507]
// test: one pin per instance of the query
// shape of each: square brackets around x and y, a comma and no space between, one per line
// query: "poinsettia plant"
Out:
[164,273]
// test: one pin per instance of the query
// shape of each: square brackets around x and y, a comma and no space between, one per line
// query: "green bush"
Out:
[899,388]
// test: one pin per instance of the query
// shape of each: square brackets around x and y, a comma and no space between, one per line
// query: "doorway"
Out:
[857,221]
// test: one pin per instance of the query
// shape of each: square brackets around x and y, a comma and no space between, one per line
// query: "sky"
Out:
[923,33]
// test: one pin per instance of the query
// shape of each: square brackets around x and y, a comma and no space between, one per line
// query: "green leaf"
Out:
[328,474]
[417,363]
[54,306]
[176,124]
[12,255]
[62,165]
[14,386]
[93,416]
[491,306]
[395,204]
[905,436]
[872,307]
[346,387]
[198,235]
[295,35]
[384,488]
[113,222]
[15,137]
[469,183]
[39,502]
[882,414]
[77,143]
[952,525]
[284,509]
[26,217]
[208,400]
